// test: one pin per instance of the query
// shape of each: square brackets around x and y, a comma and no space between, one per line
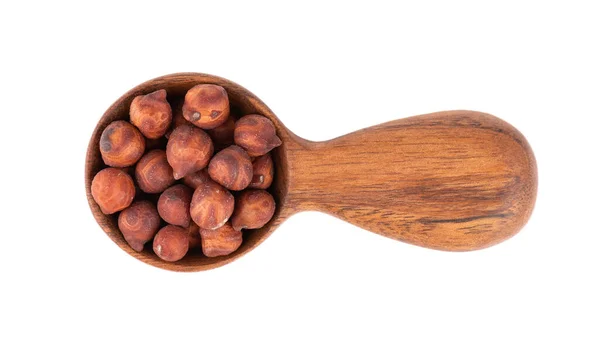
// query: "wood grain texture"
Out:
[456,180]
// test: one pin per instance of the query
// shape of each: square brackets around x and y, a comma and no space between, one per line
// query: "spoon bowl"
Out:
[454,180]
[242,102]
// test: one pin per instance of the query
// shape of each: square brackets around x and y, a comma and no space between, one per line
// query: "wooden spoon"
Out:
[454,180]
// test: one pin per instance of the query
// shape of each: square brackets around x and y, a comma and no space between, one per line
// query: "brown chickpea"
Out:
[113,190]
[121,144]
[211,206]
[174,205]
[189,150]
[139,223]
[220,242]
[206,106]
[151,114]
[153,173]
[262,172]
[171,243]
[256,134]
[253,209]
[232,168]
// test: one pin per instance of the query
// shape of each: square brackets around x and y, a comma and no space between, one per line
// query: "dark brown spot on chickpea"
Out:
[105,143]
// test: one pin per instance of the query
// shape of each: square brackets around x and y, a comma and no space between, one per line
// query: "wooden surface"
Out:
[457,180]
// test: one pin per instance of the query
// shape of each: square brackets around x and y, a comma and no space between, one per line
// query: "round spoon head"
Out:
[242,102]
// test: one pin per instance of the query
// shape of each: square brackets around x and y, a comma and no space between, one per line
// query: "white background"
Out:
[325,69]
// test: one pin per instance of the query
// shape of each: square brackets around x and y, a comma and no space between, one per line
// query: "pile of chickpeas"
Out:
[185,195]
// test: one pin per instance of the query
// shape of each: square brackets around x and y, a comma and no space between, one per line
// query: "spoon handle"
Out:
[455,180]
